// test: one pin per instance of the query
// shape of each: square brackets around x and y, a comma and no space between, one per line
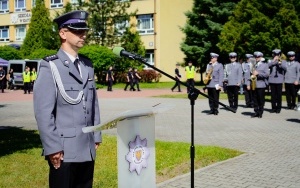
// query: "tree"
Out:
[205,23]
[9,53]
[40,33]
[261,26]
[101,57]
[131,41]
[104,16]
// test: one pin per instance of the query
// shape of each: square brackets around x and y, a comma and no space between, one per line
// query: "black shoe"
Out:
[139,90]
[277,111]
[255,115]
[172,90]
[216,112]
[179,91]
[211,112]
[273,111]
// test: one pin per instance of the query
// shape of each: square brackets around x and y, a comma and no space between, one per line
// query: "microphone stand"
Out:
[192,95]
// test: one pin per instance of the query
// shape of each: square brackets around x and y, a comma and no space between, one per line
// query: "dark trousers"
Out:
[248,96]
[214,94]
[109,85]
[27,87]
[291,93]
[177,84]
[259,100]
[136,82]
[2,84]
[276,96]
[190,83]
[233,94]
[131,85]
[72,175]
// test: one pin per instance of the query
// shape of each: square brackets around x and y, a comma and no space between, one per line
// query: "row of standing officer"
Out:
[255,77]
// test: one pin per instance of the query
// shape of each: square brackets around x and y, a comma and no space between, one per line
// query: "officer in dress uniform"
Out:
[247,67]
[259,83]
[291,79]
[65,103]
[215,85]
[233,76]
[276,78]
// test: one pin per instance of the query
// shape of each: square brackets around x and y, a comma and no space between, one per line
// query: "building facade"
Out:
[159,23]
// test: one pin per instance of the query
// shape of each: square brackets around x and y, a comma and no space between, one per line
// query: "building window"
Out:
[20,32]
[145,24]
[121,27]
[20,5]
[4,33]
[56,3]
[150,56]
[33,3]
[3,6]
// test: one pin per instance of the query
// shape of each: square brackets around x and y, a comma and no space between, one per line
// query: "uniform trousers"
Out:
[233,94]
[177,84]
[131,85]
[137,83]
[72,175]
[109,84]
[248,96]
[291,93]
[214,94]
[259,100]
[276,96]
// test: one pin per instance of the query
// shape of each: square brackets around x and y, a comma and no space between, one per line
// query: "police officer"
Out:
[109,79]
[129,80]
[33,77]
[65,101]
[215,84]
[190,76]
[259,83]
[26,80]
[177,77]
[247,67]
[233,76]
[2,78]
[276,79]
[136,79]
[291,79]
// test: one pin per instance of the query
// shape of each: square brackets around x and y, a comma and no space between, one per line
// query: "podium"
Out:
[135,146]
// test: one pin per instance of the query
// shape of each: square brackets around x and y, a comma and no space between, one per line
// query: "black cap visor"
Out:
[76,26]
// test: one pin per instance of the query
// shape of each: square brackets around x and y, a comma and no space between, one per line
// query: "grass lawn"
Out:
[23,166]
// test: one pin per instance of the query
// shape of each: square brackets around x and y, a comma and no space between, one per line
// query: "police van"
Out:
[19,67]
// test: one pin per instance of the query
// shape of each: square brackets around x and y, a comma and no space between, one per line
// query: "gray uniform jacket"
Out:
[60,123]
[246,66]
[263,74]
[291,71]
[276,72]
[217,75]
[233,74]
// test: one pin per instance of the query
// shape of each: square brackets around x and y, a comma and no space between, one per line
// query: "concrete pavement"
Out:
[271,144]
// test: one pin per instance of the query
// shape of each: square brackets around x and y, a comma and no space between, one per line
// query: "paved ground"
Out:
[271,144]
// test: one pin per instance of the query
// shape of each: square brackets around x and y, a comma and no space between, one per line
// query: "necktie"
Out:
[76,63]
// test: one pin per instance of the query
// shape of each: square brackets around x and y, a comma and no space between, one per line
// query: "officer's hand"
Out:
[56,159]
[248,88]
[296,82]
[97,145]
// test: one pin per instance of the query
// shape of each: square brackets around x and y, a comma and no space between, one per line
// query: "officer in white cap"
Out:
[276,79]
[259,82]
[65,101]
[247,67]
[233,76]
[215,84]
[291,79]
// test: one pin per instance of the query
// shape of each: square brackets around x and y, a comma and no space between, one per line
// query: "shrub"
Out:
[9,53]
[41,53]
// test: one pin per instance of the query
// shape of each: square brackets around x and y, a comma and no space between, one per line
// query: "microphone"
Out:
[119,51]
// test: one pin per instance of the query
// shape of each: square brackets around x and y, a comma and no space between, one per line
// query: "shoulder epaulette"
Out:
[50,58]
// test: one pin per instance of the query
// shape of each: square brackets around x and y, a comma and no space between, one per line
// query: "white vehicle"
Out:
[19,67]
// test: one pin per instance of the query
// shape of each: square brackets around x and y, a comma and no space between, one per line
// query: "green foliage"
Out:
[101,56]
[41,53]
[40,33]
[205,23]
[104,14]
[131,41]
[9,53]
[262,26]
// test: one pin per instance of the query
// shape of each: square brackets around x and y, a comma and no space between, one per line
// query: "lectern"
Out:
[136,146]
